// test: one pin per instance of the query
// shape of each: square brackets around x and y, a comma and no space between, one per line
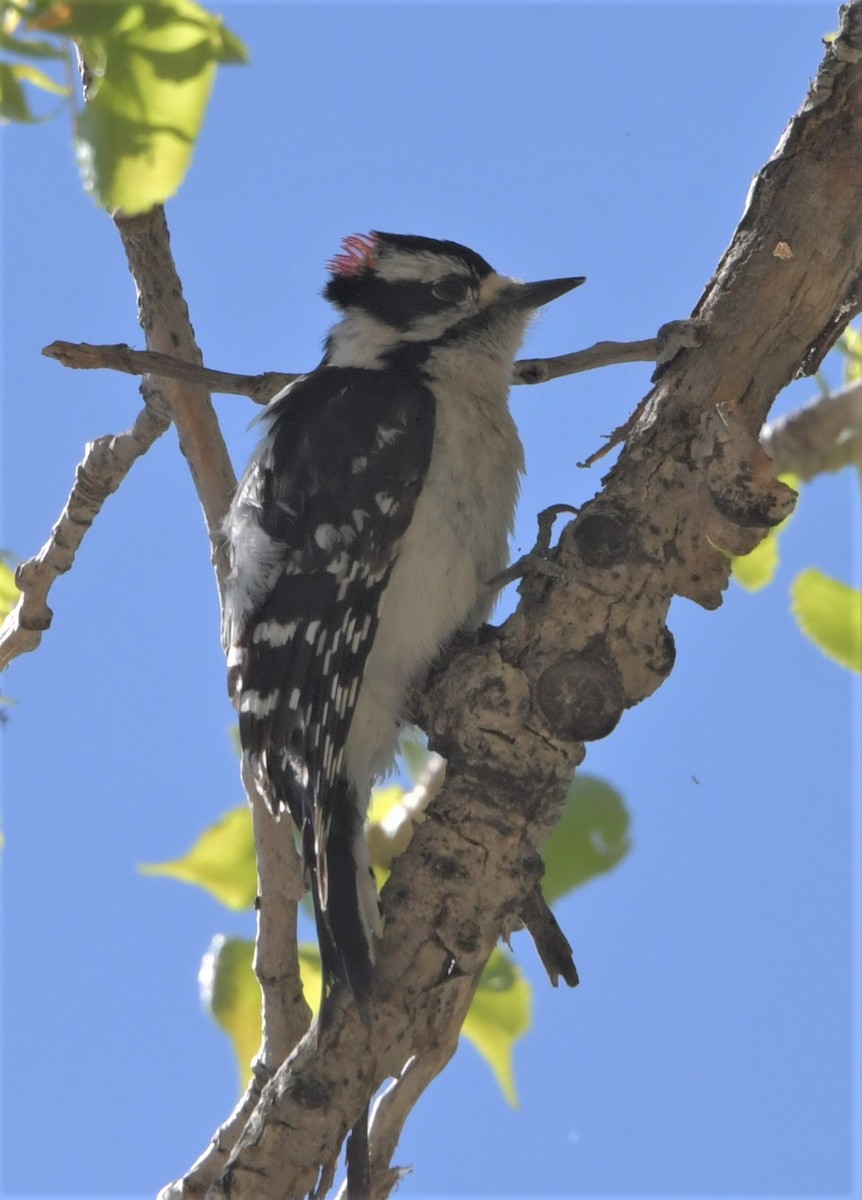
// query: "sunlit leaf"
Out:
[755,570]
[311,974]
[27,73]
[830,614]
[231,995]
[591,838]
[222,861]
[8,591]
[851,345]
[230,48]
[383,801]
[500,1014]
[153,68]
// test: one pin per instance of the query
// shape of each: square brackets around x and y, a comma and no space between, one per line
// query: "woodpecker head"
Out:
[403,294]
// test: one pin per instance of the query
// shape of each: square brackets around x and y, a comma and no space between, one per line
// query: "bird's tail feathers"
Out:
[346,904]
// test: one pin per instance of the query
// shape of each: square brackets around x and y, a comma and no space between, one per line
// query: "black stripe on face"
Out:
[396,304]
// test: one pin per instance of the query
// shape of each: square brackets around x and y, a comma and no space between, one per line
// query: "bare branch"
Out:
[120,357]
[602,354]
[164,317]
[825,435]
[285,1012]
[262,388]
[106,462]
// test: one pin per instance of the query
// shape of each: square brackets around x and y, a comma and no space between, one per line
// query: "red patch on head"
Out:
[357,252]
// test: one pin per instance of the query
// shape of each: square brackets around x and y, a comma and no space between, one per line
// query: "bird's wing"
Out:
[315,531]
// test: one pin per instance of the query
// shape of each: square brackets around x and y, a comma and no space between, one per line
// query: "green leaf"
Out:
[755,570]
[13,102]
[311,974]
[8,591]
[155,70]
[231,995]
[222,861]
[38,78]
[591,838]
[500,1014]
[851,345]
[230,48]
[830,614]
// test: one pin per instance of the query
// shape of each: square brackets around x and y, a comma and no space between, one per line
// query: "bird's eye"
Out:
[452,288]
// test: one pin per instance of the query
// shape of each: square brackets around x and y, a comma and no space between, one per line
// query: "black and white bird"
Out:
[366,533]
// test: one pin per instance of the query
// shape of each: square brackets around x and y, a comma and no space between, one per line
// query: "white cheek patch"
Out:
[491,286]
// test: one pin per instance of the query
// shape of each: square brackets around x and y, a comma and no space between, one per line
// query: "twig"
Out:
[602,354]
[164,317]
[106,462]
[825,435]
[261,388]
[550,941]
[120,357]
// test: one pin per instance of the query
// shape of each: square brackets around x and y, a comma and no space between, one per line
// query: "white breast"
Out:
[456,543]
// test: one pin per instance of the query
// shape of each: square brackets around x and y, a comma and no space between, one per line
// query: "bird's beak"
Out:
[534,295]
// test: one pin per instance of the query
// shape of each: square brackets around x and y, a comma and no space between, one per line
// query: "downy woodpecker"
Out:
[366,533]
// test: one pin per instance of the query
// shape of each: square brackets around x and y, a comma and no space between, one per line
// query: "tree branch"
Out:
[601,354]
[105,464]
[262,388]
[825,435]
[511,714]
[164,317]
[120,357]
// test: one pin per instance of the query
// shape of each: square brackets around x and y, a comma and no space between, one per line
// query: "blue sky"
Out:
[712,1047]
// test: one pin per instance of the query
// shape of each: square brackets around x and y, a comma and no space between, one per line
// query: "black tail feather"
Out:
[345,950]
[359,1160]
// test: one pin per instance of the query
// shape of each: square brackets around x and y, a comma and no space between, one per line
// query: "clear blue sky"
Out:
[712,1047]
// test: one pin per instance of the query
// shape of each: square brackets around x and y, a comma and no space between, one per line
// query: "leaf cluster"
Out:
[148,71]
